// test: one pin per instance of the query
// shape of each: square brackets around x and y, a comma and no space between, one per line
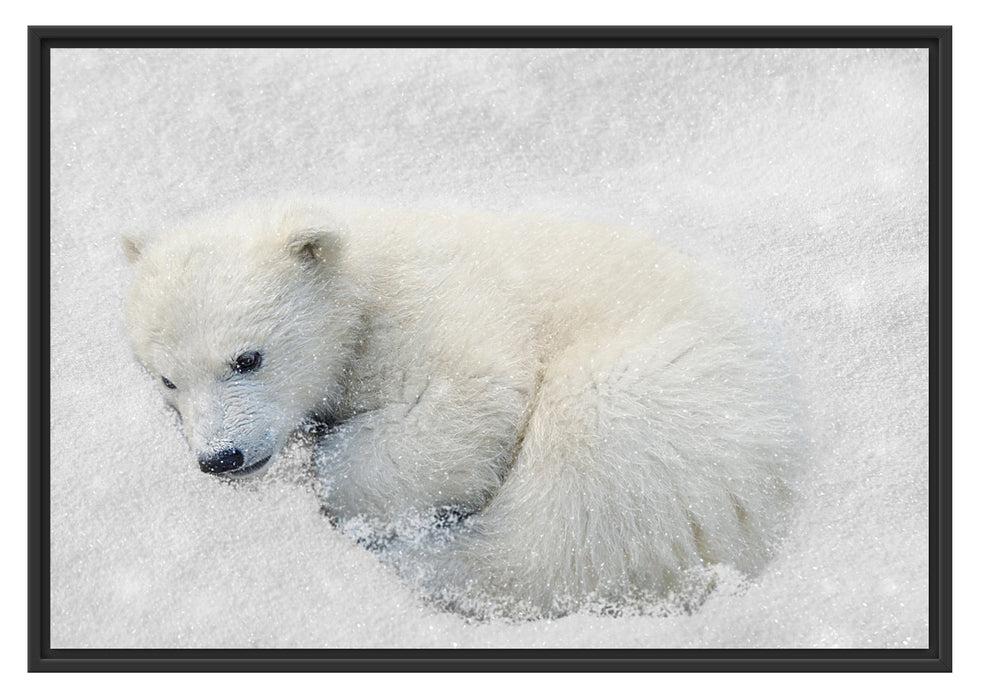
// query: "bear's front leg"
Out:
[449,446]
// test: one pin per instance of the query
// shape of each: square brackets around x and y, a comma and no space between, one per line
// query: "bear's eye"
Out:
[168,383]
[247,362]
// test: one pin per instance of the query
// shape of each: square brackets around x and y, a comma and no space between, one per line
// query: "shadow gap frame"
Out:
[936,658]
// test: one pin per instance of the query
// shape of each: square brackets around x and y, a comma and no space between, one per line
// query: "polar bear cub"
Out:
[601,414]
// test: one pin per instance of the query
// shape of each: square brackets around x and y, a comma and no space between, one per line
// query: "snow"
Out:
[805,172]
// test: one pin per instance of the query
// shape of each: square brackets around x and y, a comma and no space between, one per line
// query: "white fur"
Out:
[606,407]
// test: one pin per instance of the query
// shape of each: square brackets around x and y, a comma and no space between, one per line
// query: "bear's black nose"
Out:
[222,461]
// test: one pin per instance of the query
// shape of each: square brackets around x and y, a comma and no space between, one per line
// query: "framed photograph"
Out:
[474,348]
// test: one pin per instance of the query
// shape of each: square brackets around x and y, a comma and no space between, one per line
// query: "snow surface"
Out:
[804,171]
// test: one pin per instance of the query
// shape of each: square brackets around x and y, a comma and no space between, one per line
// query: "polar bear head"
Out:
[245,324]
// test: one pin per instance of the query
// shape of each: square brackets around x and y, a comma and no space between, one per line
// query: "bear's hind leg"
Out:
[639,462]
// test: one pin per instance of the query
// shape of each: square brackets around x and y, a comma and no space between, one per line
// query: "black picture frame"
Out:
[937,657]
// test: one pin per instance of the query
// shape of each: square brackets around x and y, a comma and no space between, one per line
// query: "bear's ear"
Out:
[312,246]
[132,247]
